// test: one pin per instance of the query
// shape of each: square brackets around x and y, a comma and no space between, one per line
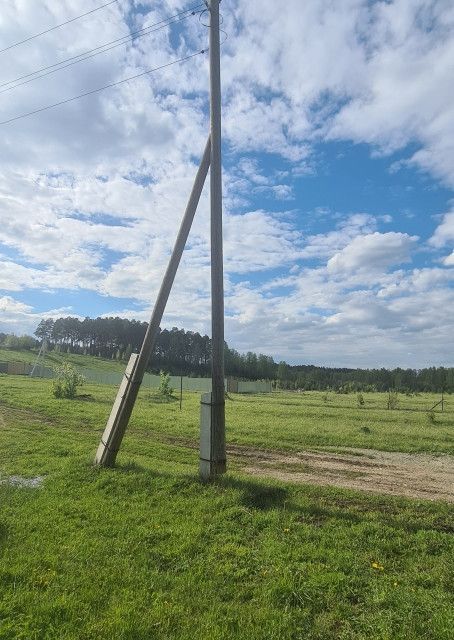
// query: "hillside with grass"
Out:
[55,358]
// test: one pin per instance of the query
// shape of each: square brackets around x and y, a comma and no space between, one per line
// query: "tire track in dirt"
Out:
[412,475]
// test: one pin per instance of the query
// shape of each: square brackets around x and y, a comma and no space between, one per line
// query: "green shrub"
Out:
[360,399]
[393,400]
[66,381]
[165,390]
[20,343]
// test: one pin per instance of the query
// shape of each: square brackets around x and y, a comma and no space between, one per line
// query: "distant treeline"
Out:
[432,379]
[177,351]
[189,353]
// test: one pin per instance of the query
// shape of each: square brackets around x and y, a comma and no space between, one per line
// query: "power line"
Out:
[107,86]
[91,53]
[57,26]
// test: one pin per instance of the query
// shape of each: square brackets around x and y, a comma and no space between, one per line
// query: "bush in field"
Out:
[165,390]
[360,400]
[431,417]
[66,382]
[20,343]
[393,400]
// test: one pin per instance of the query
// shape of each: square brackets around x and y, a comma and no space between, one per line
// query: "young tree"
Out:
[66,382]
[393,400]
[165,390]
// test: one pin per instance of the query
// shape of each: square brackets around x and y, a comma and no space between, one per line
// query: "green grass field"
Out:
[147,551]
[54,358]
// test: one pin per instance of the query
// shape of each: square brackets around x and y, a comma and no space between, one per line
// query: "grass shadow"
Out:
[320,507]
[257,495]
[264,498]
[133,467]
[85,397]
[3,537]
[158,399]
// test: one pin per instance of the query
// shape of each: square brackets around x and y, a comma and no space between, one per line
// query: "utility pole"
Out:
[212,422]
[212,430]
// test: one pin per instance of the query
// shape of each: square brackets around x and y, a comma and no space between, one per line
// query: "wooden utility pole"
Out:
[212,431]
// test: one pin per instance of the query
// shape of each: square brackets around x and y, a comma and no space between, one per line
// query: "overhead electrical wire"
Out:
[91,53]
[57,26]
[107,86]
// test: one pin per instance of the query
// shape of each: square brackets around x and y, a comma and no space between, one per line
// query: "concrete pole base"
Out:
[212,444]
[210,470]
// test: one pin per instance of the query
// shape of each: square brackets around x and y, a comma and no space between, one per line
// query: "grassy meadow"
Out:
[146,551]
[55,358]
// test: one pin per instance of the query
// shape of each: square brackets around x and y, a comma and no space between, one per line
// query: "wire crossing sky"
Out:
[104,48]
[338,139]
[57,26]
[107,86]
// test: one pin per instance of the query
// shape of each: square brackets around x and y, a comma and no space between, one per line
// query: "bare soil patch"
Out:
[412,475]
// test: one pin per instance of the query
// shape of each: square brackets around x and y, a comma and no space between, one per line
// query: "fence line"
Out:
[150,381]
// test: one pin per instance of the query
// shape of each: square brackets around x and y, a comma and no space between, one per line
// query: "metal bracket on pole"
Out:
[130,385]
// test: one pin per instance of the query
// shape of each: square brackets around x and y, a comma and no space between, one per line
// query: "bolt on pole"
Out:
[213,456]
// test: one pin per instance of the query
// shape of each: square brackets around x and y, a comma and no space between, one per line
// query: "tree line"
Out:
[342,380]
[183,352]
[177,351]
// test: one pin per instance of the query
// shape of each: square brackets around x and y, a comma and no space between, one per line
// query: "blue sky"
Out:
[338,175]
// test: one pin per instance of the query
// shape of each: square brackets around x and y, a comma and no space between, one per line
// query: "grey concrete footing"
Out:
[212,444]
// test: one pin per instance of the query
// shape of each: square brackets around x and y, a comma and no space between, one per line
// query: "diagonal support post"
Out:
[129,388]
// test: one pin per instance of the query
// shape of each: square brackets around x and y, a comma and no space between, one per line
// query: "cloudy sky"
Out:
[338,125]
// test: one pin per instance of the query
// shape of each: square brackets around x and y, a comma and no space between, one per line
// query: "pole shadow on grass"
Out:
[352,510]
[318,507]
[265,497]
[252,494]
[255,495]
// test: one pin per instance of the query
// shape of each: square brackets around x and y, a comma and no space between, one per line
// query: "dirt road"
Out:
[405,474]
